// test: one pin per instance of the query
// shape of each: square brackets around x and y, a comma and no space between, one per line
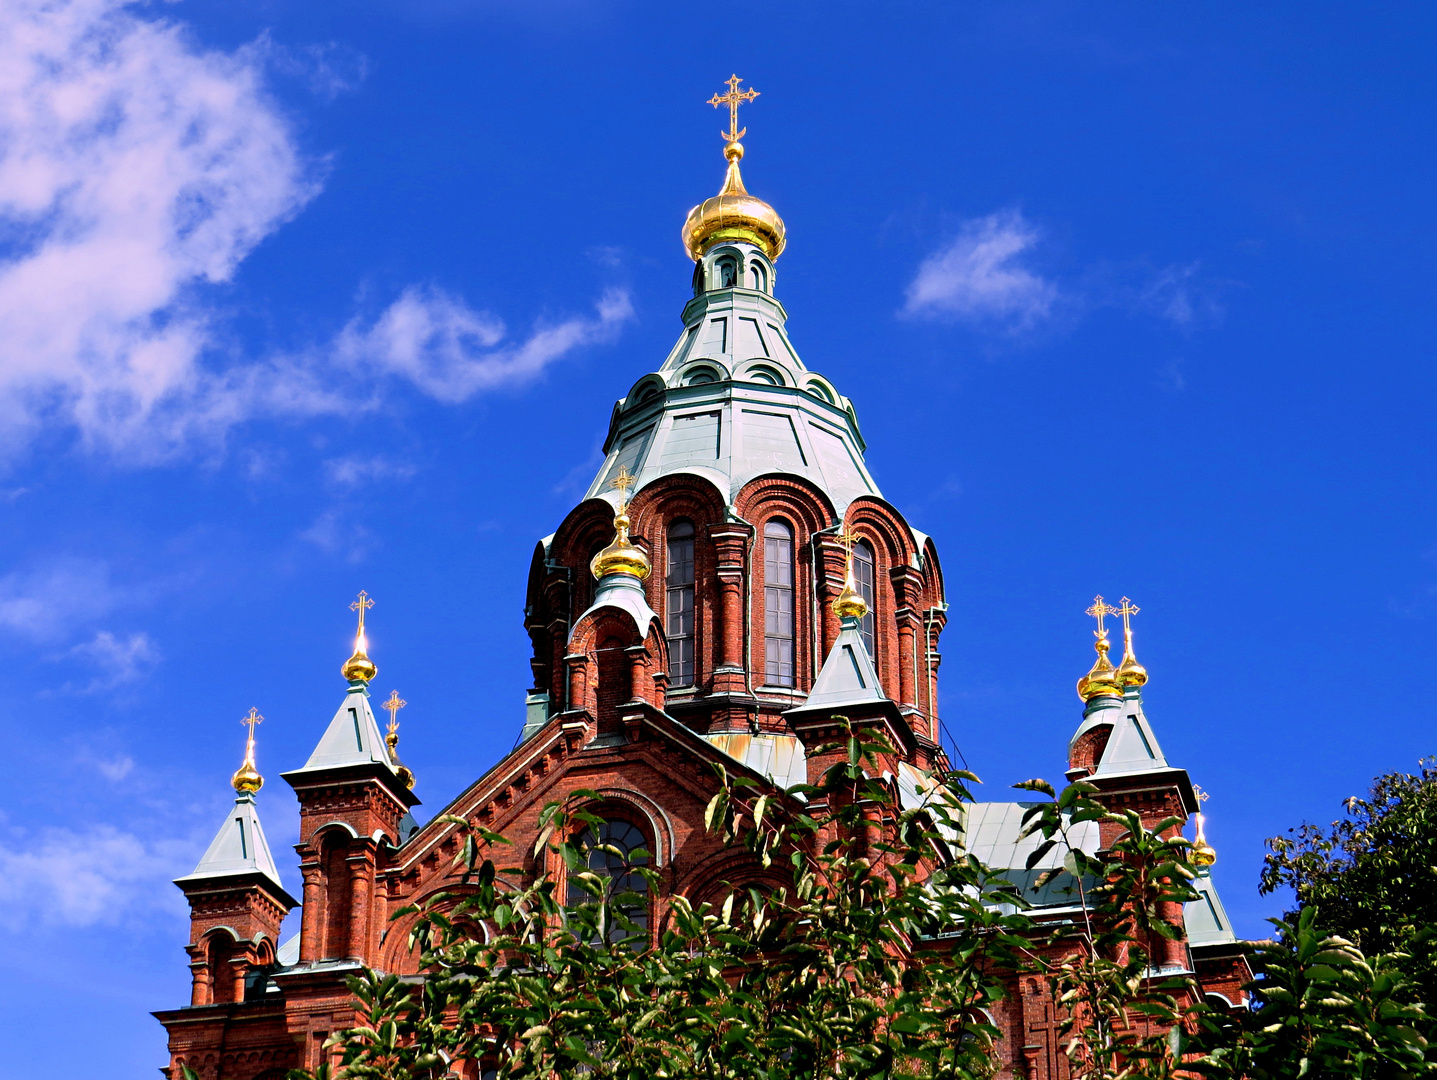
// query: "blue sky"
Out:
[299,299]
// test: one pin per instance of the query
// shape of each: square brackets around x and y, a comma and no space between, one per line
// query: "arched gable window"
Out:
[679,617]
[863,576]
[614,855]
[222,974]
[727,274]
[778,604]
[757,278]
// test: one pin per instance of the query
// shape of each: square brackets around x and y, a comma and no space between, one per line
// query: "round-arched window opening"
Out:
[757,277]
[818,390]
[764,376]
[726,273]
[701,378]
[650,392]
[614,854]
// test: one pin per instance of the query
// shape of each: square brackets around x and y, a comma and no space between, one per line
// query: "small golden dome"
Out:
[733,214]
[359,667]
[850,603]
[621,557]
[392,741]
[1203,854]
[247,779]
[1101,679]
[1130,672]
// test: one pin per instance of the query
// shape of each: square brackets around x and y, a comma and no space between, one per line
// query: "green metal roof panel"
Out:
[238,848]
[848,676]
[352,737]
[1206,920]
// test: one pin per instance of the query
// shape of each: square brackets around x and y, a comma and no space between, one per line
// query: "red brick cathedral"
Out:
[732,579]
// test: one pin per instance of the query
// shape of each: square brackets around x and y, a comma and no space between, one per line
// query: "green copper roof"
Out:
[848,676]
[352,737]
[1206,920]
[238,848]
[734,401]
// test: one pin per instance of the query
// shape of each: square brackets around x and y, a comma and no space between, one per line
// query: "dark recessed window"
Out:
[679,585]
[778,603]
[863,575]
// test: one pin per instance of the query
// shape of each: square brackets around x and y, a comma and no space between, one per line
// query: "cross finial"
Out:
[1201,795]
[1127,609]
[394,704]
[621,483]
[363,604]
[733,99]
[848,538]
[1098,611]
[250,721]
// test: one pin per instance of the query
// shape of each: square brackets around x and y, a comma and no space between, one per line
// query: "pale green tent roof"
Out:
[352,737]
[848,676]
[238,848]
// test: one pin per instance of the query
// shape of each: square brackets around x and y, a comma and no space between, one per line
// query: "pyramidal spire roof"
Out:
[352,737]
[238,848]
[848,676]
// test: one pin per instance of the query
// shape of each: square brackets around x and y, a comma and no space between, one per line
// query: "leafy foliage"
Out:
[1372,876]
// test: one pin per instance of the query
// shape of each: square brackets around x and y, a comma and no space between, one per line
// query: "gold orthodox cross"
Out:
[848,539]
[1201,795]
[733,99]
[394,704]
[1127,609]
[622,483]
[363,604]
[251,720]
[1097,611]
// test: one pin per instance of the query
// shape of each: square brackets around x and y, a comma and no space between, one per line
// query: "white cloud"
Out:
[135,169]
[979,276]
[355,469]
[49,601]
[99,876]
[452,352]
[1179,295]
[116,661]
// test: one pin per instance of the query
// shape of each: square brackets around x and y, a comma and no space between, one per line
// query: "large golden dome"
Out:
[733,214]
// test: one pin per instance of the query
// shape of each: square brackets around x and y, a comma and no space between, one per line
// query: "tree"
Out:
[1372,876]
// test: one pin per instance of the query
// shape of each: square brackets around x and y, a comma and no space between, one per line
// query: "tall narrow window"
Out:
[680,586]
[863,575]
[778,604]
[727,272]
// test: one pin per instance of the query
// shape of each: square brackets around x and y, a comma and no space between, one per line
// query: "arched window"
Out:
[727,274]
[778,604]
[222,974]
[615,855]
[680,605]
[863,575]
[757,278]
[337,889]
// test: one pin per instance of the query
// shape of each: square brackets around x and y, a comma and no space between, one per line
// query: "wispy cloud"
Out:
[451,352]
[1180,295]
[981,275]
[137,171]
[115,661]
[98,876]
[351,470]
[49,601]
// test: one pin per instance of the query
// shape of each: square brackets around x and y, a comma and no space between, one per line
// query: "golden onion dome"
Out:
[1131,674]
[1203,854]
[733,214]
[1101,679]
[850,603]
[247,779]
[359,667]
[621,557]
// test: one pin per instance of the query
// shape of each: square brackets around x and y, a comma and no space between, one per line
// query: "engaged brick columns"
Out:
[908,592]
[361,867]
[730,541]
[309,924]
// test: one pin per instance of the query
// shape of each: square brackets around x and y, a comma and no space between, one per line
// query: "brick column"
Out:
[907,592]
[200,992]
[578,665]
[359,881]
[730,542]
[310,917]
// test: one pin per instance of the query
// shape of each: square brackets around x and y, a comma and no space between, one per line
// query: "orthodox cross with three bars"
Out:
[1097,611]
[394,704]
[733,99]
[1127,609]
[251,720]
[622,483]
[363,604]
[848,539]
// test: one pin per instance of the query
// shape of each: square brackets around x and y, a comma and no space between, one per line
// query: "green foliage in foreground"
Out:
[854,943]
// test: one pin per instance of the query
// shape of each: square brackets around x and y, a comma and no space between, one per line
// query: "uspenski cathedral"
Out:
[732,580]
